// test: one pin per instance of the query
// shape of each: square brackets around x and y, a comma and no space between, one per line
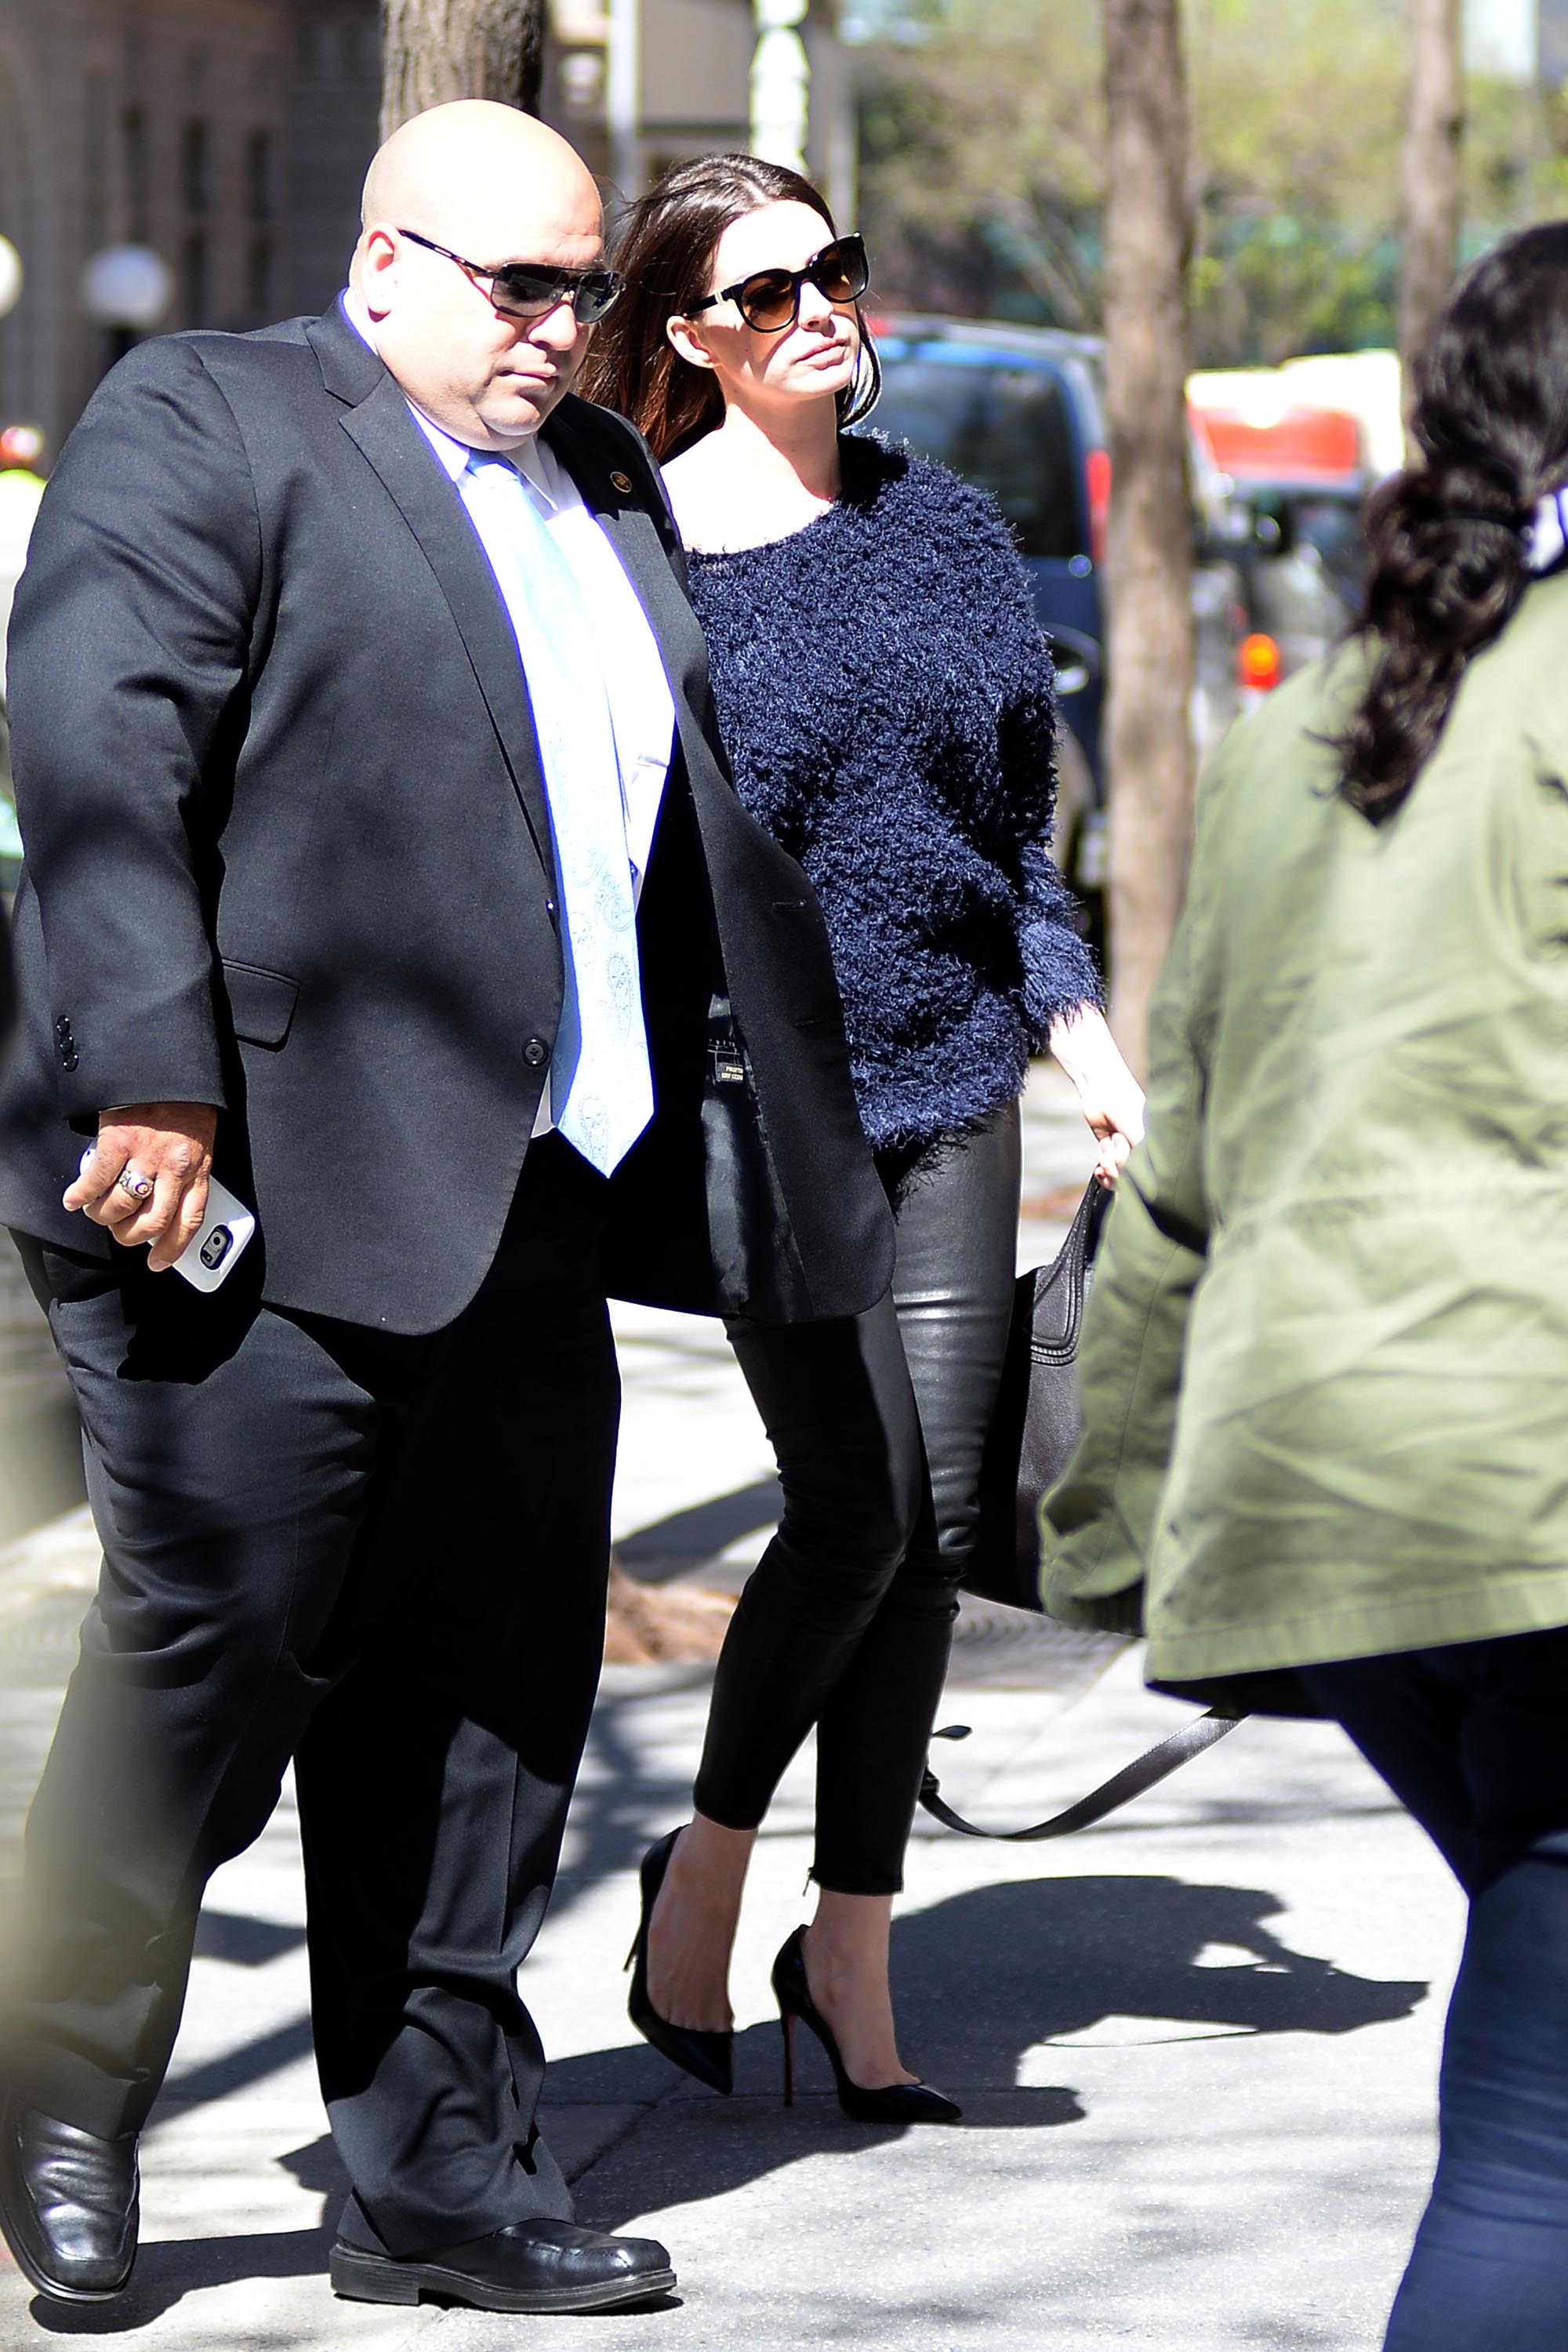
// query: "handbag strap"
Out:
[1134,1780]
[1066,1277]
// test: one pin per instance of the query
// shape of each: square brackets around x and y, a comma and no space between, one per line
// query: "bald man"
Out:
[382,865]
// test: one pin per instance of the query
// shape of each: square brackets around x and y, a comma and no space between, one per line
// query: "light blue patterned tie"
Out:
[601,1086]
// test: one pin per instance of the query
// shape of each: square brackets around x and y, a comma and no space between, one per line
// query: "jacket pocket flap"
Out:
[261,1002]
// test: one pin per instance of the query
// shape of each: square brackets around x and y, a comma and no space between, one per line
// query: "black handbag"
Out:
[749,1230]
[1037,1424]
[1038,1419]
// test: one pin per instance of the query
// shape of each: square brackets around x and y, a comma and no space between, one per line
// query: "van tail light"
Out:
[1257,663]
[1097,480]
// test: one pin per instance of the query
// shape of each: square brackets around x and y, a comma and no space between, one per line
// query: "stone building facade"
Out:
[231,137]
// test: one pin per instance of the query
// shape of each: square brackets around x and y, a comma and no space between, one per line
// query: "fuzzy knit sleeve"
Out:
[1060,974]
[1060,969]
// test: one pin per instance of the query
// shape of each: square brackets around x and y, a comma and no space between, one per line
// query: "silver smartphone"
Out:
[209,1256]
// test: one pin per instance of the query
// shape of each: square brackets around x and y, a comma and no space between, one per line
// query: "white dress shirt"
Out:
[642,708]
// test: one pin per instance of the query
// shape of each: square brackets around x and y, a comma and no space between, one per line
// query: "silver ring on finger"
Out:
[130,1181]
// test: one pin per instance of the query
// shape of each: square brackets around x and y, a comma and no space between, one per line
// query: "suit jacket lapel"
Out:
[594,461]
[376,419]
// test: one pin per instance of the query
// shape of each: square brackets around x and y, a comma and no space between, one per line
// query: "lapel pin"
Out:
[621,481]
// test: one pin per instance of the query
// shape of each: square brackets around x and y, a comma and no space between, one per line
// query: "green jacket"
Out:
[1325,1360]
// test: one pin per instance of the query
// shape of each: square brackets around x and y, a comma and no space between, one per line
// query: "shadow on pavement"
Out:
[249,1943]
[701,2149]
[990,1974]
[168,2272]
[981,1981]
[993,1973]
[659,1552]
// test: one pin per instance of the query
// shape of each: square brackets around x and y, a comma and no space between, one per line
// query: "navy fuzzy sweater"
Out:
[886,698]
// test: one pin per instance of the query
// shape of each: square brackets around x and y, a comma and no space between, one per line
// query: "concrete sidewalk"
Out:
[1130,2169]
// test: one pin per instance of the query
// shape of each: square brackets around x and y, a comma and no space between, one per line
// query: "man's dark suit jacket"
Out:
[289,853]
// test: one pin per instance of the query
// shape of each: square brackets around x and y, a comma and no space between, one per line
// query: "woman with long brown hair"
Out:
[1326,1361]
[886,698]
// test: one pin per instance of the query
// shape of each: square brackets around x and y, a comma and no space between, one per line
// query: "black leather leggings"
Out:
[879,1422]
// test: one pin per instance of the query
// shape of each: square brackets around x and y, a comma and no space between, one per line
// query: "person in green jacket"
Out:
[1325,1364]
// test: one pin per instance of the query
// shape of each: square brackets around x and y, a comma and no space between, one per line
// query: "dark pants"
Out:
[879,1422]
[386,1558]
[1474,1739]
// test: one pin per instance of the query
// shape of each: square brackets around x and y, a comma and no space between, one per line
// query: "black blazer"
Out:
[289,853]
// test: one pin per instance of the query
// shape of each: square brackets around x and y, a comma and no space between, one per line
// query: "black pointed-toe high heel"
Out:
[708,2056]
[898,2103]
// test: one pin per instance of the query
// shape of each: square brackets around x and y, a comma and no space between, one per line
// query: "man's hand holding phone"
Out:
[146,1178]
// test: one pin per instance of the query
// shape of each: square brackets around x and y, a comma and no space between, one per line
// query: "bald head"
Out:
[492,185]
[481,172]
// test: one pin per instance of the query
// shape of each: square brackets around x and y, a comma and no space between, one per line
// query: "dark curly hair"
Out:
[665,252]
[1449,540]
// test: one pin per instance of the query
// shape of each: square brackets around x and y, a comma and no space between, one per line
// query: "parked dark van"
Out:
[1019,411]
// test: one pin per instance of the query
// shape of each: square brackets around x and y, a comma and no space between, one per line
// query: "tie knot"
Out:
[506,474]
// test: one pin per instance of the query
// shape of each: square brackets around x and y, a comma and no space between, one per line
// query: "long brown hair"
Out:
[1450,538]
[665,254]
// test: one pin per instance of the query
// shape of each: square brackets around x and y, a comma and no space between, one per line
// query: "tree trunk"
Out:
[433,50]
[1431,183]
[1149,556]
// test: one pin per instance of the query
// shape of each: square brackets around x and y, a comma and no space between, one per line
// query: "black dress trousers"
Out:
[386,1556]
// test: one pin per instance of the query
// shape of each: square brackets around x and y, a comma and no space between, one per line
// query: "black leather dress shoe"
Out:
[68,2205]
[529,2266]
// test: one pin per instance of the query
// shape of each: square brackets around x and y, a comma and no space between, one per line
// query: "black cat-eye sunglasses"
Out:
[769,300]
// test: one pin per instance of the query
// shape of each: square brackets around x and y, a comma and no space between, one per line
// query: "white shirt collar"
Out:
[531,458]
[1549,532]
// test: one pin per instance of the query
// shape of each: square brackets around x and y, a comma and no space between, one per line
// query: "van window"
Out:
[1008,428]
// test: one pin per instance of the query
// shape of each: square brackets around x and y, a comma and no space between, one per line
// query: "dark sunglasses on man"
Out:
[528,290]
[769,300]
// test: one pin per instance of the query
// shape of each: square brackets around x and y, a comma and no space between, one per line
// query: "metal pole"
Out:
[622,98]
[781,83]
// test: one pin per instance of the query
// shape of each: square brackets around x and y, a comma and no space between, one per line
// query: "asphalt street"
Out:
[1195,2047]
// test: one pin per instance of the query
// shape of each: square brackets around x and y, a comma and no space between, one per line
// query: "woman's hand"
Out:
[1109,1095]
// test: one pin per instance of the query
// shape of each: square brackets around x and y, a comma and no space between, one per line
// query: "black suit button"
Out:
[550,908]
[62,1028]
[536,1053]
[67,1061]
